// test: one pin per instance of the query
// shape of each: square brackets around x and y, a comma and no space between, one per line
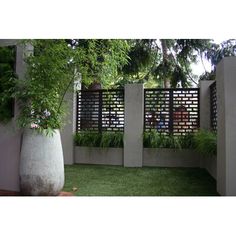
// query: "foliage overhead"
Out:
[215,53]
[177,56]
[143,56]
[166,61]
[99,59]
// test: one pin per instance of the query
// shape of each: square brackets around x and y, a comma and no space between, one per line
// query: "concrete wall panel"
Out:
[99,156]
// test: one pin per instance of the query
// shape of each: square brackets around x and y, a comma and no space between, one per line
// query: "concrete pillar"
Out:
[10,134]
[226,126]
[133,130]
[68,131]
[205,121]
[206,162]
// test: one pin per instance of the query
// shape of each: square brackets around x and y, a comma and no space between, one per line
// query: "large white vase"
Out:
[41,164]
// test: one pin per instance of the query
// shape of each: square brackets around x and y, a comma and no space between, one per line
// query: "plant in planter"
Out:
[50,73]
[94,139]
[154,139]
[206,142]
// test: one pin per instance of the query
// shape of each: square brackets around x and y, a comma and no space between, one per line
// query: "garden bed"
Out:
[167,157]
[156,157]
[98,155]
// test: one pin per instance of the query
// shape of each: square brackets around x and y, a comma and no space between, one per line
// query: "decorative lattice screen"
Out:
[100,110]
[213,103]
[171,111]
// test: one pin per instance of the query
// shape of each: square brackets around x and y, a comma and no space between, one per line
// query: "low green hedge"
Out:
[93,139]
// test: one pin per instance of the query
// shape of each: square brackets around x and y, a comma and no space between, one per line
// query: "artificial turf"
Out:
[97,180]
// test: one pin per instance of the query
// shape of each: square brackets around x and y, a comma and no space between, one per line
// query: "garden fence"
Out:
[213,105]
[171,111]
[100,110]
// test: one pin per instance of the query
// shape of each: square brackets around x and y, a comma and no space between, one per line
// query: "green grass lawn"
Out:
[96,180]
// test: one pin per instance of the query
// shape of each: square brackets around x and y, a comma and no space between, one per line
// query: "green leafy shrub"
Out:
[206,142]
[93,139]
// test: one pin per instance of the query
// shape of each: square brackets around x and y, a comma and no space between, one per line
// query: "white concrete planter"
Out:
[41,164]
[97,155]
[164,157]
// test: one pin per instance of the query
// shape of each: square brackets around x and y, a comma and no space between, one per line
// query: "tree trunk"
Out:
[165,60]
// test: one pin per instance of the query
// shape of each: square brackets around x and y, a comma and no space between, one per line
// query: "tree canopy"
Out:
[99,60]
[165,61]
[155,62]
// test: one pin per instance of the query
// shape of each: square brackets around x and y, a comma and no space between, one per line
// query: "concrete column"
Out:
[67,132]
[205,121]
[226,126]
[22,51]
[133,130]
[10,134]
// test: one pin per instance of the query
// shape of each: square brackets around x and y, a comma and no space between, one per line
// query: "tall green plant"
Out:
[50,72]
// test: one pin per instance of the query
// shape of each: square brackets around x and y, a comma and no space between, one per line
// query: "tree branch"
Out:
[190,77]
[64,93]
[203,63]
